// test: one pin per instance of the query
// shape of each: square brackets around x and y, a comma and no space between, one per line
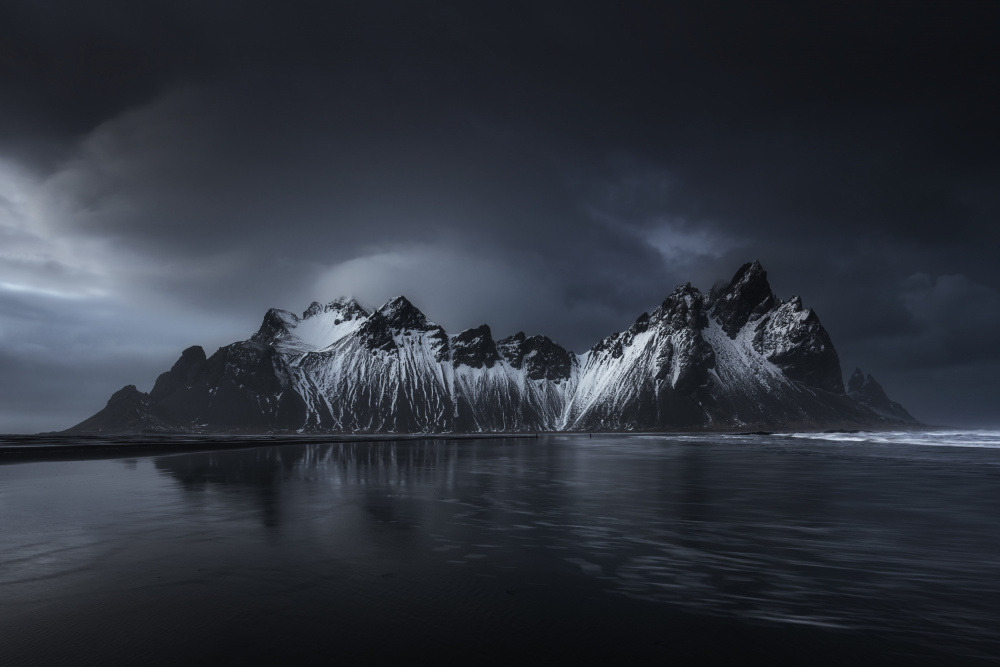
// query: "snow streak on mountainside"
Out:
[737,357]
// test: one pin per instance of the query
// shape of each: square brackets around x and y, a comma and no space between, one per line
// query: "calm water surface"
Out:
[829,549]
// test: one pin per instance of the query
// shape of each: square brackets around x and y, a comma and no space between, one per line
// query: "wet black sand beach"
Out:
[642,549]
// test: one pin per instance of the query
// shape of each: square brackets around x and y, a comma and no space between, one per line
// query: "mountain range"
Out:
[736,358]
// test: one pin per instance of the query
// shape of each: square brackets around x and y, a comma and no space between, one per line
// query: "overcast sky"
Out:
[170,170]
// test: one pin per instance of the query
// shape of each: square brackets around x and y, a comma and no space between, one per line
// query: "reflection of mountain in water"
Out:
[365,469]
[253,474]
[761,528]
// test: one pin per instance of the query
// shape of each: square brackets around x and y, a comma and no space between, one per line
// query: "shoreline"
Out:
[47,446]
[56,446]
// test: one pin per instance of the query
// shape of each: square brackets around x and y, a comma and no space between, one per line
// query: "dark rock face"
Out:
[242,387]
[868,392]
[474,348]
[684,308]
[510,349]
[794,340]
[128,411]
[857,381]
[400,314]
[545,360]
[539,356]
[182,375]
[748,296]
[682,316]
[610,346]
[376,333]
[736,358]
[271,329]
[346,309]
[399,317]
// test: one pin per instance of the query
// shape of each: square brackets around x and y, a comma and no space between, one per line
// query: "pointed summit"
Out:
[183,373]
[315,308]
[349,306]
[747,297]
[399,313]
[319,327]
[683,308]
[541,358]
[274,327]
[345,308]
[475,348]
[400,317]
[510,348]
[857,381]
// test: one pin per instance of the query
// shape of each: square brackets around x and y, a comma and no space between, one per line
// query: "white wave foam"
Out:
[956,438]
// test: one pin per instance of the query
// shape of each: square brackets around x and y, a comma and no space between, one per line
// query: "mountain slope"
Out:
[737,357]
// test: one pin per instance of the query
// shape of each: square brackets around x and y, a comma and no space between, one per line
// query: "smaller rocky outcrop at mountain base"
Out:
[866,391]
[128,411]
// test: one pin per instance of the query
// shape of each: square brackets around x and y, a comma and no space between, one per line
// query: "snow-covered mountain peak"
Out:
[400,314]
[747,297]
[792,337]
[274,327]
[539,356]
[398,325]
[346,308]
[318,328]
[474,348]
[683,308]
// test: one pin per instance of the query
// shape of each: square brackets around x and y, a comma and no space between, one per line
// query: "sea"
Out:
[805,549]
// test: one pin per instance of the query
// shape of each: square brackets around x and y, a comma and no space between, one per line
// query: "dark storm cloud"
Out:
[554,167]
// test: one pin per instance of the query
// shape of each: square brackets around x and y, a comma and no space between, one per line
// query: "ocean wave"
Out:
[958,438]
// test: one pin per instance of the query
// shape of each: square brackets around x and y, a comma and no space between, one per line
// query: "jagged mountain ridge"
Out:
[737,357]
